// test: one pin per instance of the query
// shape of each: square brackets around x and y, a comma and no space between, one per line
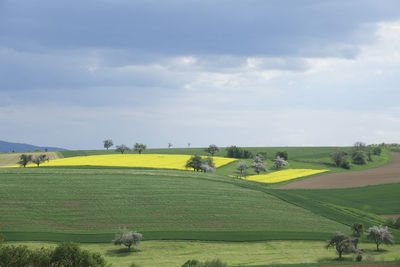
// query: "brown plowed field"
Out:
[389,173]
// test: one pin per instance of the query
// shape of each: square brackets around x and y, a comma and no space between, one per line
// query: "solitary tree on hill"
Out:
[212,149]
[122,149]
[169,145]
[128,239]
[108,143]
[24,159]
[139,147]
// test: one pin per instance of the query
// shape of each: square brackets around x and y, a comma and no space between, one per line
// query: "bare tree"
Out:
[380,234]
[139,147]
[122,149]
[189,145]
[212,149]
[127,238]
[108,143]
[169,145]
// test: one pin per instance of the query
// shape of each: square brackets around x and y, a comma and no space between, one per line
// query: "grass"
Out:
[165,204]
[175,253]
[378,199]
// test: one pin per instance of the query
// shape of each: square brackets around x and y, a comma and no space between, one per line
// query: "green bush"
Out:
[359,157]
[282,154]
[345,164]
[377,150]
[65,254]
[212,263]
[237,152]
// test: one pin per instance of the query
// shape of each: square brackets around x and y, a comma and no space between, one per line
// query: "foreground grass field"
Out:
[67,200]
[175,253]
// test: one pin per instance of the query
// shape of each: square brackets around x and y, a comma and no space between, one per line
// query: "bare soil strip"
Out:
[389,173]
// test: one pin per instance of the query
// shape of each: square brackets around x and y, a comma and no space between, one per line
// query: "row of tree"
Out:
[349,244]
[137,148]
[25,159]
[360,155]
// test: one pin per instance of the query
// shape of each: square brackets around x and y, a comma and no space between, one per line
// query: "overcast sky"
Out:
[244,72]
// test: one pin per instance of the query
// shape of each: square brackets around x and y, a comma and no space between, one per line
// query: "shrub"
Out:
[345,164]
[2,238]
[377,150]
[282,154]
[237,152]
[338,157]
[70,254]
[359,157]
[212,263]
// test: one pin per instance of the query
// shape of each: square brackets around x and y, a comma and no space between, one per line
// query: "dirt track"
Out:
[389,173]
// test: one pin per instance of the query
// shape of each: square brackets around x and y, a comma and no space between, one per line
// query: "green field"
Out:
[90,204]
[175,253]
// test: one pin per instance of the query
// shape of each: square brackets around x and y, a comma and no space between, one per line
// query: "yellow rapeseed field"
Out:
[161,161]
[284,175]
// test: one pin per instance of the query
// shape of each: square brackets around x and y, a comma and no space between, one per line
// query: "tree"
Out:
[359,157]
[169,145]
[239,153]
[357,229]
[127,238]
[194,162]
[39,159]
[280,162]
[108,143]
[282,154]
[338,157]
[207,165]
[359,146]
[258,164]
[70,254]
[139,147]
[122,149]
[24,159]
[342,244]
[212,149]
[357,232]
[377,150]
[380,234]
[242,167]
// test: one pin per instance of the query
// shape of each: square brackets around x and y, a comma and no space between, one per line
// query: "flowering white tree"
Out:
[380,234]
[280,162]
[127,238]
[242,167]
[258,164]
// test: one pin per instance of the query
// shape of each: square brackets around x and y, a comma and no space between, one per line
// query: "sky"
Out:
[237,72]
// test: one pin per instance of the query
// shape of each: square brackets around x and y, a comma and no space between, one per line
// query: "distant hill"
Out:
[19,147]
